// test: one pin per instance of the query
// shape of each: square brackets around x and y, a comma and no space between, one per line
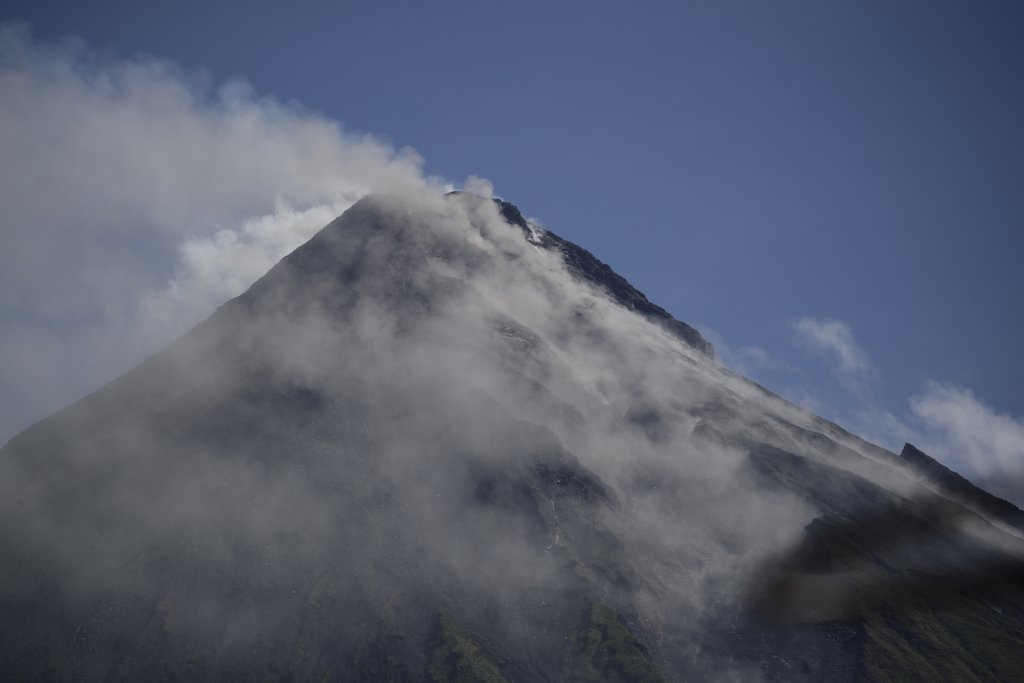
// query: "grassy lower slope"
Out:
[457,659]
[605,649]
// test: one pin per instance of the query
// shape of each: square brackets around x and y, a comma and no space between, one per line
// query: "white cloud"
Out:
[479,186]
[747,360]
[214,268]
[835,339]
[970,435]
[135,197]
[946,421]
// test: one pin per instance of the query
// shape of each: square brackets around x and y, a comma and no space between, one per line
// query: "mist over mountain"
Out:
[439,442]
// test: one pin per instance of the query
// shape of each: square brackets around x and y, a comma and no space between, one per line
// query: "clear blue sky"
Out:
[744,164]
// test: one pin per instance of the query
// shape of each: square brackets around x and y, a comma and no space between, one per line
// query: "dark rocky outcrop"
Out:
[960,489]
[588,267]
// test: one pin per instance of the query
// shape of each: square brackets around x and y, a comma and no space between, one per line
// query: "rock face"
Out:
[437,442]
[959,489]
[586,266]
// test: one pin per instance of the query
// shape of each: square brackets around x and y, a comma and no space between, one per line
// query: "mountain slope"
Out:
[439,442]
[957,488]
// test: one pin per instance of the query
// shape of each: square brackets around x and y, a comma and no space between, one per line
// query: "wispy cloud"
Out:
[970,435]
[747,360]
[835,340]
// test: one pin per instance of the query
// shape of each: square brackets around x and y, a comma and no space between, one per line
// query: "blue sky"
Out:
[834,191]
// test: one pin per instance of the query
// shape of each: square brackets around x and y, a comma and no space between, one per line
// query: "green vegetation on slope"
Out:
[457,659]
[966,640]
[606,650]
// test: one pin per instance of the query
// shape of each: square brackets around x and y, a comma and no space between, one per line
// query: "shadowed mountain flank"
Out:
[438,442]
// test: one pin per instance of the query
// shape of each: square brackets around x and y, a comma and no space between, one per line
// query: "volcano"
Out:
[438,442]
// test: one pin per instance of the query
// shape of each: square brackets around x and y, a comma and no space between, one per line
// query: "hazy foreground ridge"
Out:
[439,442]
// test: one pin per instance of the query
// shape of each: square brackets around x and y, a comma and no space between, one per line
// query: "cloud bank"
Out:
[135,197]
